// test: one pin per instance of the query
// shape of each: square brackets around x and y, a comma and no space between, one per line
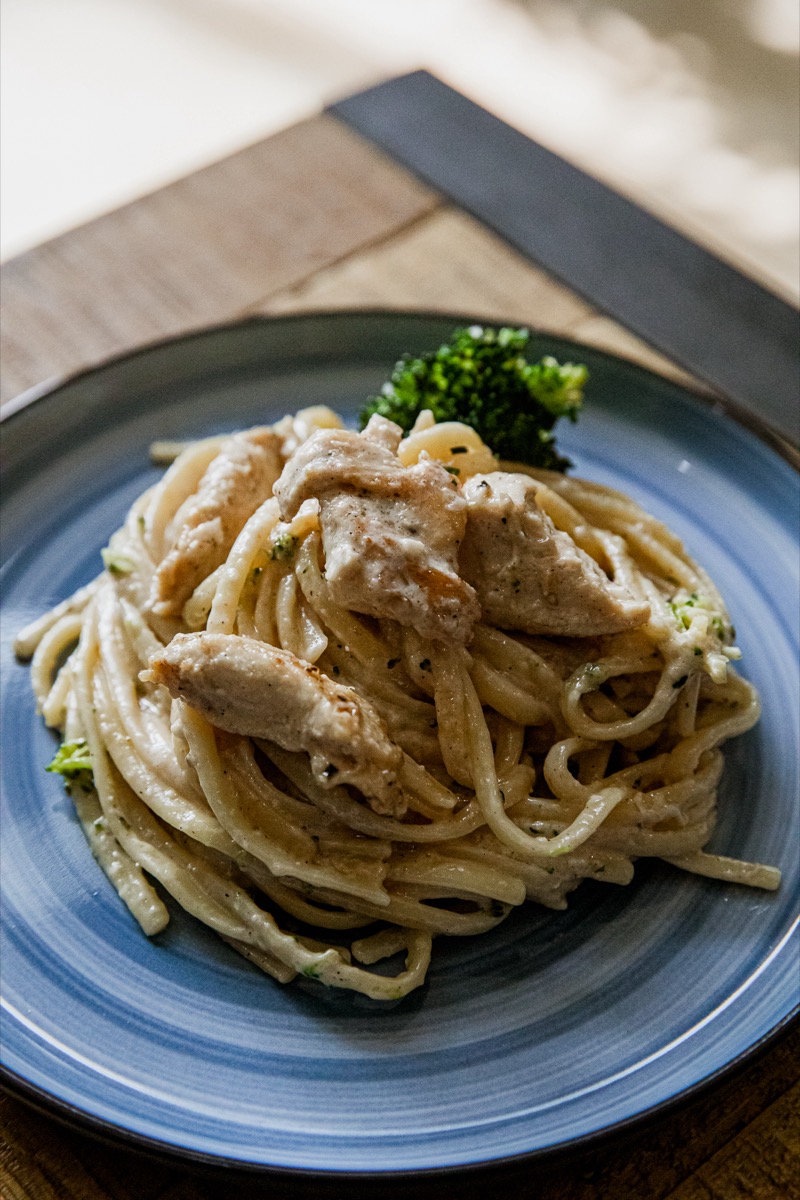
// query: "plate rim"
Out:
[105,1131]
[709,399]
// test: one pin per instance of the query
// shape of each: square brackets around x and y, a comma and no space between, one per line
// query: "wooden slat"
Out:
[446,262]
[36,1163]
[764,1161]
[201,250]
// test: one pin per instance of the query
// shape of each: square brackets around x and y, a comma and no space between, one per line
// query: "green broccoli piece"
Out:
[74,762]
[482,377]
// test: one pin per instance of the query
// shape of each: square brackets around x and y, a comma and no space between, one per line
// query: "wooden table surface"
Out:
[316,218]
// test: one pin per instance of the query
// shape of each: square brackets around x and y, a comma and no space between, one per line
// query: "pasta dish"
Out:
[338,693]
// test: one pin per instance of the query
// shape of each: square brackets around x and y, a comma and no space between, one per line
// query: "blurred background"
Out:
[689,107]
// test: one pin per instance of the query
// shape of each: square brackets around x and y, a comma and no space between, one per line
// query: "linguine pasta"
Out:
[528,763]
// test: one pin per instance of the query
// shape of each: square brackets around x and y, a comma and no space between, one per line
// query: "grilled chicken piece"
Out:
[531,576]
[248,687]
[235,483]
[390,533]
[383,432]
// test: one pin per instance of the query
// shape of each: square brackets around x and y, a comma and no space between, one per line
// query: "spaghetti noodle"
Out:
[526,763]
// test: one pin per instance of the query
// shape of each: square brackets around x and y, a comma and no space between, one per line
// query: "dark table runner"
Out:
[698,310]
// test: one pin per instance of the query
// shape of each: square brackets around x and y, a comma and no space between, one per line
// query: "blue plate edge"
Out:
[108,1133]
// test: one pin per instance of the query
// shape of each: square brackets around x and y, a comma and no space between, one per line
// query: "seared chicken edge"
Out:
[248,687]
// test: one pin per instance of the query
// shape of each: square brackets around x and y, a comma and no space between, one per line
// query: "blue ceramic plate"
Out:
[553,1028]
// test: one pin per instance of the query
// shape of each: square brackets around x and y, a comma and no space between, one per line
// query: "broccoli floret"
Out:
[482,377]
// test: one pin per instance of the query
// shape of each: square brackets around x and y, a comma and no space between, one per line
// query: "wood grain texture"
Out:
[764,1161]
[445,262]
[200,251]
[448,262]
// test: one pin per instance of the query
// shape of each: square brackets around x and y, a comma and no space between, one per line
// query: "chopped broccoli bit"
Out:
[709,629]
[73,761]
[482,378]
[686,608]
[593,675]
[116,562]
[283,547]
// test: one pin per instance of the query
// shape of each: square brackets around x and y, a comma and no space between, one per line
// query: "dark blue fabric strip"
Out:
[715,322]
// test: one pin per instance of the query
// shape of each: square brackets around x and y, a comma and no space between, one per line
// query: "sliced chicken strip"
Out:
[384,432]
[531,576]
[248,687]
[235,483]
[390,533]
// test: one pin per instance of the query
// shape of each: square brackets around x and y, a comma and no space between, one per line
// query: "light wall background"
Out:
[688,106]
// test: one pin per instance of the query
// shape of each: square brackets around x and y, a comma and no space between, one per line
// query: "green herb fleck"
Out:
[115,562]
[74,762]
[283,547]
[593,674]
